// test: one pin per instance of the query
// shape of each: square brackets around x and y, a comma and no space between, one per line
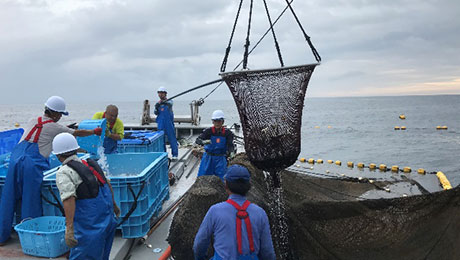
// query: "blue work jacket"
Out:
[220,223]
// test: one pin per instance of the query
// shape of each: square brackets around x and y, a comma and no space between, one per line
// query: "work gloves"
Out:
[202,142]
[70,236]
[97,131]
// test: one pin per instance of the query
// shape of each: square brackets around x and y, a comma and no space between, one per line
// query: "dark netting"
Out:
[328,218]
[270,104]
[331,221]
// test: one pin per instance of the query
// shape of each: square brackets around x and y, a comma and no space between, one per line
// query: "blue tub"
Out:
[92,143]
[145,174]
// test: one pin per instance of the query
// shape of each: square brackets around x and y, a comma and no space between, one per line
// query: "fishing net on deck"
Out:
[329,218]
[270,104]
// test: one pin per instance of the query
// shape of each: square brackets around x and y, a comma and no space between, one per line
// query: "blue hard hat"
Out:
[236,172]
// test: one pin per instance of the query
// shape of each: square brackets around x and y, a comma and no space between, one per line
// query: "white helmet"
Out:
[64,143]
[162,89]
[57,104]
[218,115]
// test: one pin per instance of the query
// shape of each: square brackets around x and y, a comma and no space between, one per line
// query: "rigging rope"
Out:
[252,49]
[274,36]
[307,38]
[246,46]
[227,51]
[195,88]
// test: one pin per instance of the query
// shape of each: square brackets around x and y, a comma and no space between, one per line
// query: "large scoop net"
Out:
[270,104]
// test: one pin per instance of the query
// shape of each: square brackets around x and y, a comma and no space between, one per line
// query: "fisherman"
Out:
[115,130]
[28,161]
[87,198]
[218,145]
[251,240]
[165,119]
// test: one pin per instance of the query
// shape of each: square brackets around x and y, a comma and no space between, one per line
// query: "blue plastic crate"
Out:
[152,169]
[48,189]
[129,169]
[9,139]
[49,180]
[54,164]
[43,236]
[139,226]
[142,142]
[92,143]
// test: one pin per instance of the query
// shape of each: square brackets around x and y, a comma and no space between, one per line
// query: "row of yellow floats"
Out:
[382,167]
[400,127]
[437,127]
[403,117]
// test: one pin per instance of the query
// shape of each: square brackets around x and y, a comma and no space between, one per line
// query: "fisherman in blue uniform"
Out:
[218,145]
[240,241]
[87,198]
[28,161]
[165,119]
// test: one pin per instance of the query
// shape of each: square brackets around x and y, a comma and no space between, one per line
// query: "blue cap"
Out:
[236,172]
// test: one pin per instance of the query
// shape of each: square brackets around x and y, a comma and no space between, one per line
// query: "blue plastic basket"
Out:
[142,142]
[43,236]
[9,139]
[93,142]
[151,168]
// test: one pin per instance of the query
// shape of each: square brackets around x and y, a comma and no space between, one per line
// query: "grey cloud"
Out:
[120,50]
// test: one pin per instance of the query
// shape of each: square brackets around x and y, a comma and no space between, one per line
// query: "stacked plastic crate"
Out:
[8,140]
[141,175]
[142,142]
[153,193]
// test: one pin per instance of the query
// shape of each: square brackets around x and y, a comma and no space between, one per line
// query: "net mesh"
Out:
[270,104]
[332,222]
[329,218]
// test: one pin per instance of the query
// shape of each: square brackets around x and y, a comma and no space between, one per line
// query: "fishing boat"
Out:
[327,210]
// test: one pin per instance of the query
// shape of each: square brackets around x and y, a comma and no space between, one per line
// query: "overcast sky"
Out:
[123,50]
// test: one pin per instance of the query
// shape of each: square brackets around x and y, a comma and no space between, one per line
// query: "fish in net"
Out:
[270,104]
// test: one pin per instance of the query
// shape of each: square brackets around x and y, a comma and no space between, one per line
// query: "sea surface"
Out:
[358,129]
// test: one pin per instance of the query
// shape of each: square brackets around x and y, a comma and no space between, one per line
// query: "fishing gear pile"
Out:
[330,218]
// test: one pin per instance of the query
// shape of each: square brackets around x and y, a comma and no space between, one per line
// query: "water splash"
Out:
[279,227]
[103,160]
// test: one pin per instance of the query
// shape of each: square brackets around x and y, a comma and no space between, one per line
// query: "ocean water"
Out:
[359,129]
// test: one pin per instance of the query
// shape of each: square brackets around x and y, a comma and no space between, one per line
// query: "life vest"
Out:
[38,127]
[240,215]
[214,131]
[92,176]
